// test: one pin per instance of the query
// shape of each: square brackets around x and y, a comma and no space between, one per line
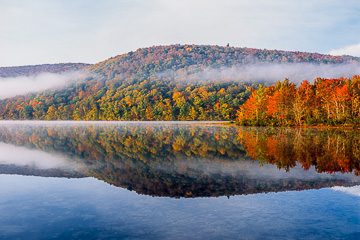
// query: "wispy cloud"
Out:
[11,87]
[352,50]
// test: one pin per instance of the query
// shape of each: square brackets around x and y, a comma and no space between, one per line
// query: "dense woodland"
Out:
[193,161]
[153,84]
[330,102]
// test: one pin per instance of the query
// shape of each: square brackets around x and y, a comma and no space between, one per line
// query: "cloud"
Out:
[11,87]
[353,50]
[271,73]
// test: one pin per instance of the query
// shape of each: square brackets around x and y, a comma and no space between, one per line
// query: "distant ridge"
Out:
[29,70]
[174,57]
[146,61]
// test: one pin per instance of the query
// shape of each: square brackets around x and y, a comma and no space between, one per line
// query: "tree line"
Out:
[145,100]
[330,102]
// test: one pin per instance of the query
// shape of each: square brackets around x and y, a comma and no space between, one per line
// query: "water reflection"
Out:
[188,159]
[328,150]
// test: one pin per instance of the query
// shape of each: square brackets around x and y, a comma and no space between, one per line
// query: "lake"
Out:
[177,180]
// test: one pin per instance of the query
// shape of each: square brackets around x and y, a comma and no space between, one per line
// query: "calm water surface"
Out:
[177,180]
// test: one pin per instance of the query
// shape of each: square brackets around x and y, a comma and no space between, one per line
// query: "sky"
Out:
[89,31]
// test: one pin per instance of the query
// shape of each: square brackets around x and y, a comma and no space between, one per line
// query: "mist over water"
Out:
[269,73]
[11,87]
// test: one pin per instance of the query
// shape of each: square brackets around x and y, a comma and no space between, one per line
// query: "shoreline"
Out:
[196,122]
[315,126]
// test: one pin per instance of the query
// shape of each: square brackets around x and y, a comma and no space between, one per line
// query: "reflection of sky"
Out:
[43,208]
[21,156]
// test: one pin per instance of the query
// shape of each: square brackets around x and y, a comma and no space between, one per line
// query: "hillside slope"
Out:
[153,84]
[192,58]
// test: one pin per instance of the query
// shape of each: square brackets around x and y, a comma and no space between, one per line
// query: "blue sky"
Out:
[43,31]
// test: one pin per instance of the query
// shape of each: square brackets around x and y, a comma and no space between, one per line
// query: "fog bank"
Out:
[11,87]
[270,73]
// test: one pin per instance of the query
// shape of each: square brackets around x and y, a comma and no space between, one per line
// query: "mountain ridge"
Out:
[244,55]
[175,57]
[29,70]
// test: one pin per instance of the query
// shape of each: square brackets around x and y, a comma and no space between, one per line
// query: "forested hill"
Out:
[154,84]
[192,58]
[37,69]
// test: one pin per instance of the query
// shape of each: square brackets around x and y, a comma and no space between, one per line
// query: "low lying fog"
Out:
[11,87]
[270,73]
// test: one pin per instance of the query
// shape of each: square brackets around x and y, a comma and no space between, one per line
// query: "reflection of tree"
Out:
[146,143]
[328,150]
[193,160]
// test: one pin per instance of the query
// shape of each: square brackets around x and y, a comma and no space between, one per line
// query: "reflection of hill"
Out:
[193,160]
[189,182]
[31,171]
